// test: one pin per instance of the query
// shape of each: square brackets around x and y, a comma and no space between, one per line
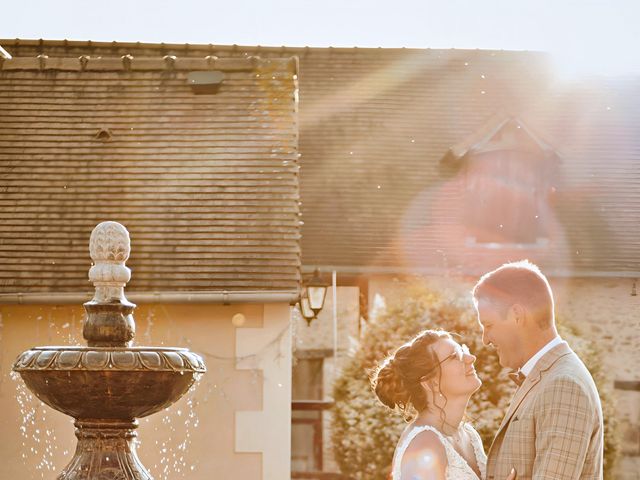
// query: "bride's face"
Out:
[458,373]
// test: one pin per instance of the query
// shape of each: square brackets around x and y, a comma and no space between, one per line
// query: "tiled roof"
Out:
[375,125]
[377,196]
[206,184]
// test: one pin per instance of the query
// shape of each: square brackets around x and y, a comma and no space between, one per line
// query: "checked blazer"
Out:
[553,427]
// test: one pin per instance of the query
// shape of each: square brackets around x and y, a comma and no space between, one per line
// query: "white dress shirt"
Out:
[527,367]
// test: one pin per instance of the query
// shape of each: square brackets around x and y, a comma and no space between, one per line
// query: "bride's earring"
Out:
[436,389]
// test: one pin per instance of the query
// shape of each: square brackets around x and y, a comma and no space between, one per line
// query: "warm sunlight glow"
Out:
[602,59]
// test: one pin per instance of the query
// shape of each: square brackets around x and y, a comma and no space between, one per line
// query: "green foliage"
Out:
[364,432]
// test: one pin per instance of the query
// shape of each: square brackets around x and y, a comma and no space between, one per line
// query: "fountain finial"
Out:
[109,247]
[109,320]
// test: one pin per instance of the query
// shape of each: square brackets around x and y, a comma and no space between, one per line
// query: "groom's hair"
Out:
[518,282]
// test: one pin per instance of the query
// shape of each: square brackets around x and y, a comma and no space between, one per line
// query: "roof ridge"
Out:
[235,47]
[143,63]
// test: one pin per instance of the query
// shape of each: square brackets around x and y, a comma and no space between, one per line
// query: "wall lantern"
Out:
[314,293]
[305,309]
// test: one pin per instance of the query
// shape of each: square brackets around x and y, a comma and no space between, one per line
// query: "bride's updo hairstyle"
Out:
[397,380]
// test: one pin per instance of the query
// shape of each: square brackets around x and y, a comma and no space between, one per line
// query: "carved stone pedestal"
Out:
[105,451]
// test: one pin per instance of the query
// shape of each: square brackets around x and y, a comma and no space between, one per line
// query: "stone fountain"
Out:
[107,385]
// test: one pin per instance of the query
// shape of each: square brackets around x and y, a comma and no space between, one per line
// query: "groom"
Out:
[553,427]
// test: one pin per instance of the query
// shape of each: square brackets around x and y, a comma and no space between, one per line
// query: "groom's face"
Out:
[499,331]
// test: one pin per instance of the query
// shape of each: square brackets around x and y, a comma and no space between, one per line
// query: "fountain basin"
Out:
[109,383]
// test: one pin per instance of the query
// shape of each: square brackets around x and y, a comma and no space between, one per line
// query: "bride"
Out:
[431,379]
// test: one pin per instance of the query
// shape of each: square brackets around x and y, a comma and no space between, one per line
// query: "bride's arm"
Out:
[424,459]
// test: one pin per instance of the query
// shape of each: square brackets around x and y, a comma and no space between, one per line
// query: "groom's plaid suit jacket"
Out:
[553,427]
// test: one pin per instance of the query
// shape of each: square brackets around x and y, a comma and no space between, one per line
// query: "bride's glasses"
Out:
[459,351]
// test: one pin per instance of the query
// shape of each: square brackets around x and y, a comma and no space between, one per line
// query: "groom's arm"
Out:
[564,419]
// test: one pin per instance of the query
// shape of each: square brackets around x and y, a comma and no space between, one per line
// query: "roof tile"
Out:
[206,184]
[374,125]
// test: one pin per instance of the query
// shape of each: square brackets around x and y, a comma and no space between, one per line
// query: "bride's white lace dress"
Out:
[458,468]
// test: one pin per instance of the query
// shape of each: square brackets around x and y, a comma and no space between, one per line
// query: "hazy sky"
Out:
[586,36]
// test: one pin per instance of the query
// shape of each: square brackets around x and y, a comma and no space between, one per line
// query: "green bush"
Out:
[364,432]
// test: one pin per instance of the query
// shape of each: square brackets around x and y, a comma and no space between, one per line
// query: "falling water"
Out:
[38,439]
[177,421]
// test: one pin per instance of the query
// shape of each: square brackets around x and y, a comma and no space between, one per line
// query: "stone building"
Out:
[432,163]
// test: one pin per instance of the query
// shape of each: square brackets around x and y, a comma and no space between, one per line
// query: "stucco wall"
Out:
[205,418]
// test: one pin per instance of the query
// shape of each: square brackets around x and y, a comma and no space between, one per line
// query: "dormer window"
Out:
[504,199]
[508,174]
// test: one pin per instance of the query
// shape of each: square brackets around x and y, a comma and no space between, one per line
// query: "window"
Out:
[308,422]
[505,196]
